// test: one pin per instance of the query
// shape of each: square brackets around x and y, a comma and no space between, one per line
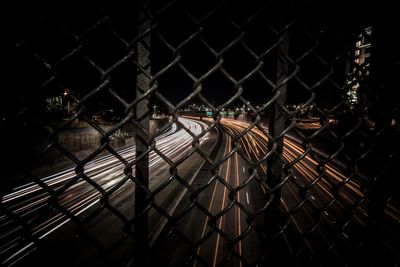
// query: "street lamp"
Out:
[66,93]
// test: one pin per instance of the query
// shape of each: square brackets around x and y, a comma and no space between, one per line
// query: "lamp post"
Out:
[66,93]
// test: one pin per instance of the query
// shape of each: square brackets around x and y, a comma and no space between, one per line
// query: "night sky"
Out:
[59,45]
[221,28]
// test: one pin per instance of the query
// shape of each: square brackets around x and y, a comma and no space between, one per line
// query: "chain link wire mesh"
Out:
[209,133]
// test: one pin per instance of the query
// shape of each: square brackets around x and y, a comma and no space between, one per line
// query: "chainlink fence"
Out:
[200,133]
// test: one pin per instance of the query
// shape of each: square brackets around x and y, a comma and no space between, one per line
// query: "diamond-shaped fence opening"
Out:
[209,133]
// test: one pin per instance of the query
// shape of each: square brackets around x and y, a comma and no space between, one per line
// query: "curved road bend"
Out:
[82,200]
[227,235]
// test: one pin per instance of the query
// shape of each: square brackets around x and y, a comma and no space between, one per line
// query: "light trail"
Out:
[254,145]
[227,172]
[239,221]
[107,172]
[211,201]
[29,200]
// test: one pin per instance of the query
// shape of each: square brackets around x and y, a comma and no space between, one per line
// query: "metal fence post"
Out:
[142,116]
[384,62]
[276,127]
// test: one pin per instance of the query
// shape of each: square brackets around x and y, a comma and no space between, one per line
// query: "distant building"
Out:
[361,65]
[363,49]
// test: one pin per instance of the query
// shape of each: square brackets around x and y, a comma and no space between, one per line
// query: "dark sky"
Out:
[322,31]
[70,42]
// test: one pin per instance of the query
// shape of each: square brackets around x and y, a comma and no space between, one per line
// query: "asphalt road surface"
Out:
[322,206]
[205,212]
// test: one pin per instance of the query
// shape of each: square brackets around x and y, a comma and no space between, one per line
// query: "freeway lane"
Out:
[80,198]
[219,222]
[324,208]
[220,219]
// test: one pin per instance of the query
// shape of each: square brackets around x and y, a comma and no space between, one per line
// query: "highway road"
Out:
[103,180]
[325,204]
[322,207]
[220,221]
